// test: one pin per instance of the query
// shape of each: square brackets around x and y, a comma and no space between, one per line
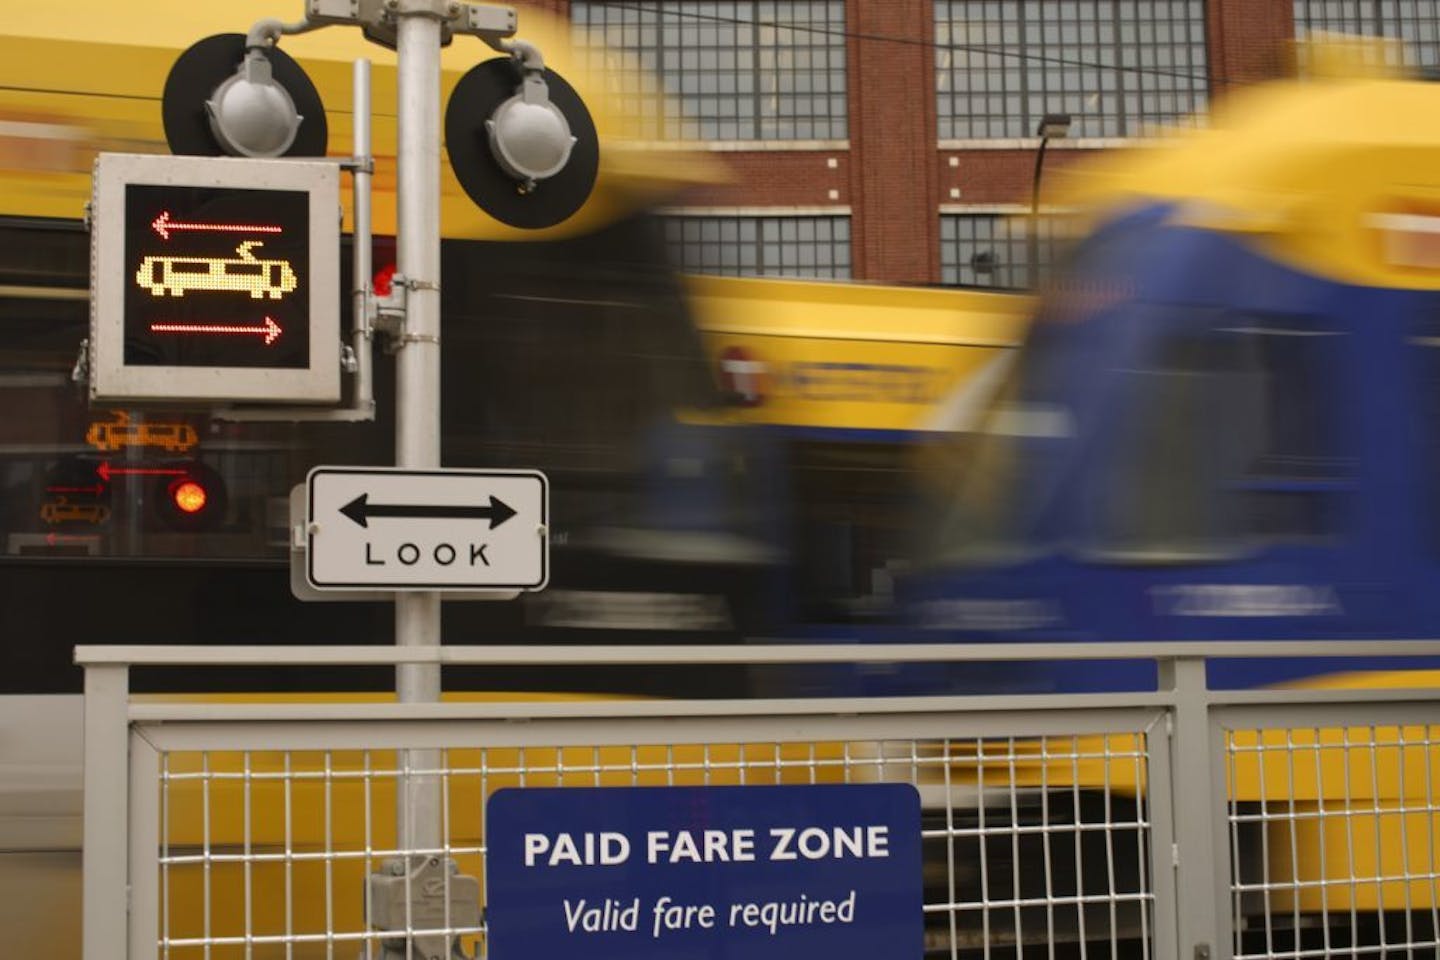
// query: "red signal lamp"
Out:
[189,496]
[192,499]
[384,280]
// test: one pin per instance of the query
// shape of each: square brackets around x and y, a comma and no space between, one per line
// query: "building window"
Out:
[729,69]
[747,246]
[1414,22]
[1118,67]
[995,250]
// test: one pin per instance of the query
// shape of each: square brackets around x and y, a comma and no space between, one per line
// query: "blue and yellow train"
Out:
[1223,423]
[1221,426]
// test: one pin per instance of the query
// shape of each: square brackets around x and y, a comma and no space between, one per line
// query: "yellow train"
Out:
[576,349]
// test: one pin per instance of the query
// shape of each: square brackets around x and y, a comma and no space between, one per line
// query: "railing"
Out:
[1179,822]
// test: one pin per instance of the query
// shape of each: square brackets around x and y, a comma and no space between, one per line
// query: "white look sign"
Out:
[370,527]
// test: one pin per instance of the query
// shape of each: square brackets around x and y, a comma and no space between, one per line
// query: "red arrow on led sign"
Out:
[164,226]
[106,471]
[53,538]
[270,330]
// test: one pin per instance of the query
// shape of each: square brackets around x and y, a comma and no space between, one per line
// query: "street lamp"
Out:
[1053,126]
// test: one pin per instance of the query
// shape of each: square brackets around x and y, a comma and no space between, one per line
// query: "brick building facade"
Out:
[892,140]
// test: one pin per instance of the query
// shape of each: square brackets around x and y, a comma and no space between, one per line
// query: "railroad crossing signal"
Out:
[215,279]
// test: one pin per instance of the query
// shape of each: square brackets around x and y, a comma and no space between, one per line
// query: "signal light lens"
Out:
[384,280]
[188,496]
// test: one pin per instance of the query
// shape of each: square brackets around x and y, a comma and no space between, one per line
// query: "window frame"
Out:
[814,246]
[1067,58]
[730,71]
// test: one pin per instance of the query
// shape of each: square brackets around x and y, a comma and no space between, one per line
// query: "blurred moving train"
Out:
[716,448]
[1224,424]
[1223,421]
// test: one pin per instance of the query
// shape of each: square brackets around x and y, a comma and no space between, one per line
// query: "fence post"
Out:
[105,858]
[1202,868]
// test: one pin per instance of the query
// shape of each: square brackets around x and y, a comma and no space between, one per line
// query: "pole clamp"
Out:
[358,164]
[379,19]
[390,312]
[423,893]
[433,9]
[388,316]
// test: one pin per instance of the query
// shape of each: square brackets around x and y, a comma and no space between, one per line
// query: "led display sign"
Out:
[215,279]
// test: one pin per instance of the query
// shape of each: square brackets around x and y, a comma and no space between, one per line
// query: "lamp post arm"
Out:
[1035,187]
[1032,229]
[266,33]
[527,53]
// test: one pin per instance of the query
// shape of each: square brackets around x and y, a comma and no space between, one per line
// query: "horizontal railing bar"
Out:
[1393,948]
[1278,886]
[808,707]
[1035,830]
[1072,900]
[280,939]
[817,707]
[303,856]
[749,653]
[994,762]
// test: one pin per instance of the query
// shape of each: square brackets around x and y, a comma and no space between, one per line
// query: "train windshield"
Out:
[1145,432]
[996,483]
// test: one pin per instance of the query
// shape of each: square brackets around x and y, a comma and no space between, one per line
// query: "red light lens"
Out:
[188,496]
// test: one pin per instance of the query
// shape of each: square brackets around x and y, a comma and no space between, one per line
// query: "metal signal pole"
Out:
[529,138]
[417,393]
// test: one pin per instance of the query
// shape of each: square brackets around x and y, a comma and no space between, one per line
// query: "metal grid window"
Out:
[730,70]
[1027,841]
[1117,67]
[995,250]
[750,246]
[1416,23]
[1329,856]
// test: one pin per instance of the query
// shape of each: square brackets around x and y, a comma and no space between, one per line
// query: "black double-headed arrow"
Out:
[360,510]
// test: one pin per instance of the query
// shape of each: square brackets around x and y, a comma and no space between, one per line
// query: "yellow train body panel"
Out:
[1325,175]
[91,81]
[846,356]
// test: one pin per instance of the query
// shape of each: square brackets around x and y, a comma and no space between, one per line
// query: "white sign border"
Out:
[427,588]
[111,380]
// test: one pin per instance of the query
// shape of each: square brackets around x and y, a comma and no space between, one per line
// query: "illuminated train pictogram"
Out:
[244,273]
[122,431]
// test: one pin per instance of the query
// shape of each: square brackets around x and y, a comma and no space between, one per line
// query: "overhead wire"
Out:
[986,50]
[679,13]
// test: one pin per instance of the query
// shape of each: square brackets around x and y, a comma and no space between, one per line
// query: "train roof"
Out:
[881,360]
[1336,176]
[73,85]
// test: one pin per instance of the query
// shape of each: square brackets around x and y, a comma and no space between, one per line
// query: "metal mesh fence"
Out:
[1030,844]
[1333,839]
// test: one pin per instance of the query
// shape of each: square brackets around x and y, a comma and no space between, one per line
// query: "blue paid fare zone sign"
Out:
[763,872]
